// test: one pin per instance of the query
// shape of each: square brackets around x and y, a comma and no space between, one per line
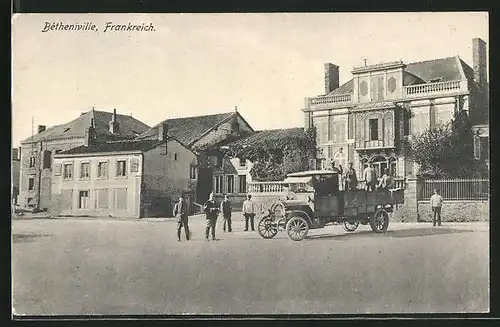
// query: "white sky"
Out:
[196,64]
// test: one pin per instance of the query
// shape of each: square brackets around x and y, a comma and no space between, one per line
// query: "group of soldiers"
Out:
[212,210]
[370,178]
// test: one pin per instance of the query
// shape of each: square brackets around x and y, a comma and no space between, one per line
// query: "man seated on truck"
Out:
[386,182]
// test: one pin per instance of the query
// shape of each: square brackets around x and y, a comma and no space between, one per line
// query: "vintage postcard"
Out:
[250,164]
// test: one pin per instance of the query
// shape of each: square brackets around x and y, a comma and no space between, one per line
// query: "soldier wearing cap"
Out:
[351,179]
[211,210]
[181,214]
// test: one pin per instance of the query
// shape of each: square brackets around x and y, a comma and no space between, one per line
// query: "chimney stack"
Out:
[163,132]
[114,126]
[331,77]
[89,134]
[41,128]
[479,62]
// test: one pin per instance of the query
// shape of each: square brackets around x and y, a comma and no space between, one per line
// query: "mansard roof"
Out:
[129,127]
[442,70]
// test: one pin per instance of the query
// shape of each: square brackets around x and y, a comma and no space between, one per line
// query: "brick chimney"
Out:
[331,77]
[479,61]
[162,132]
[41,128]
[89,134]
[114,126]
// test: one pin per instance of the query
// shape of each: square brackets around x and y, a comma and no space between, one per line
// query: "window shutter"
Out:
[134,165]
[57,169]
[477,147]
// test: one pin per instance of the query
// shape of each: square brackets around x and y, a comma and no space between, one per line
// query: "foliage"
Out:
[276,155]
[445,151]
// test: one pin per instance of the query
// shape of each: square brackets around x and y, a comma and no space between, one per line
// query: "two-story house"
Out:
[37,151]
[370,115]
[123,178]
[200,133]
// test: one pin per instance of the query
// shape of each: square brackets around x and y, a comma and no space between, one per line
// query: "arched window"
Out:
[379,164]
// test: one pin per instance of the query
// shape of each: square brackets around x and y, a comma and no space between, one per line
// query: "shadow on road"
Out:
[397,233]
[20,238]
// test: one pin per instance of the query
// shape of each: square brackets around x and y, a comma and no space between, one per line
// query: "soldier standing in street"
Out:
[249,212]
[181,214]
[225,208]
[211,210]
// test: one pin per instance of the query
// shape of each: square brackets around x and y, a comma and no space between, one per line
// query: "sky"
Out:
[197,64]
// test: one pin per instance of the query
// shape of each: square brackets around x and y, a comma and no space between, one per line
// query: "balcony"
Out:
[328,101]
[377,144]
[424,90]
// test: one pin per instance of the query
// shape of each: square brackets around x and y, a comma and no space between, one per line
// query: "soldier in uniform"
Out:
[351,180]
[181,214]
[225,208]
[211,210]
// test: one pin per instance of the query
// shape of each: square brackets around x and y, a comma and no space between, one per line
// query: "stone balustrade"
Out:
[431,88]
[330,99]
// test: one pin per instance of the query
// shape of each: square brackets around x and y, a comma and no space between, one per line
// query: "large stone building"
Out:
[370,115]
[123,178]
[37,151]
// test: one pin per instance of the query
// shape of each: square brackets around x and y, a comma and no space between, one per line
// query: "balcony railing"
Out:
[432,88]
[267,187]
[283,187]
[327,100]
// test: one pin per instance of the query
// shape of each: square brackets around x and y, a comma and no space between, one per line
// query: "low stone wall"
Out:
[456,211]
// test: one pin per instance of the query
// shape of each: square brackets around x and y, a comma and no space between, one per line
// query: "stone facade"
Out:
[371,115]
[37,194]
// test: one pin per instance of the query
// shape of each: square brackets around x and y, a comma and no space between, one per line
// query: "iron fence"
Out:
[474,189]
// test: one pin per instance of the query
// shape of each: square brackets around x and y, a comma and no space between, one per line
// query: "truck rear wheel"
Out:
[379,222]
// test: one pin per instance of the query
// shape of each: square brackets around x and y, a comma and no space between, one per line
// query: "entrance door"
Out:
[204,187]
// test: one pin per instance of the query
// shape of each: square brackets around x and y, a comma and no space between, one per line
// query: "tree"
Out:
[446,151]
[276,155]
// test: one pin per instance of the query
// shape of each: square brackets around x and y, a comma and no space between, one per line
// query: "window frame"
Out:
[118,161]
[32,161]
[193,172]
[71,171]
[371,123]
[86,163]
[232,188]
[80,199]
[99,163]
[32,186]
[219,184]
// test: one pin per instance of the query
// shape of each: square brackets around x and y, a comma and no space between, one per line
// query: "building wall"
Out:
[110,196]
[456,211]
[166,177]
[28,150]
[16,170]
